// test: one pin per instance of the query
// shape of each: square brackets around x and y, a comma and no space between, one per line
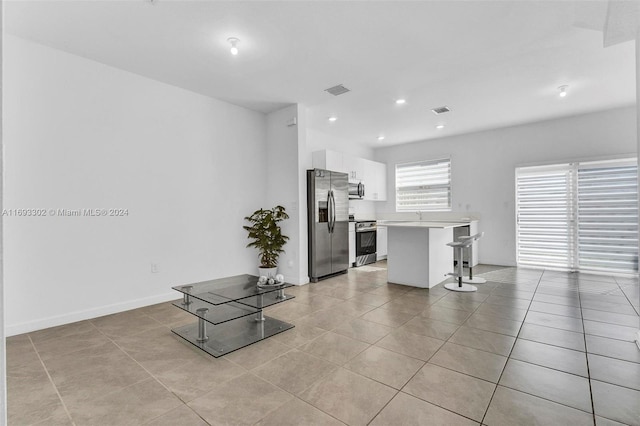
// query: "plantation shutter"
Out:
[423,186]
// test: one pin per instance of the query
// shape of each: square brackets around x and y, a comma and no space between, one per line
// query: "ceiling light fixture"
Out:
[440,126]
[333,118]
[563,91]
[401,101]
[381,138]
[234,45]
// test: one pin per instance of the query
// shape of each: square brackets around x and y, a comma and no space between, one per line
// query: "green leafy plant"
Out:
[265,234]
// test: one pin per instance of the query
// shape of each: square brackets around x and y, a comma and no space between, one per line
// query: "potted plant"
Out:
[266,235]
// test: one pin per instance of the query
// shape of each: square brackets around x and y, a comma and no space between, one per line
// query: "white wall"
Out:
[79,134]
[483,166]
[3,363]
[303,152]
[317,140]
[284,183]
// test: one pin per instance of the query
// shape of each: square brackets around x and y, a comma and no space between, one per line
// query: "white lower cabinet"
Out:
[352,243]
[381,243]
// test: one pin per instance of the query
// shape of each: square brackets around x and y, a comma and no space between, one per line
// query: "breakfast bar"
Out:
[417,252]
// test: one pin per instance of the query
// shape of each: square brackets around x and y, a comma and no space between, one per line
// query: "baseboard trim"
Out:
[39,324]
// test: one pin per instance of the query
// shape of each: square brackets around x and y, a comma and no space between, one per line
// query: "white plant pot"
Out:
[268,272]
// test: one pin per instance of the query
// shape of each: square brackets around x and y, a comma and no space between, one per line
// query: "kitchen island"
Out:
[417,252]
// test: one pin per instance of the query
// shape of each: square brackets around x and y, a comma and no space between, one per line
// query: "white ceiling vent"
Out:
[337,90]
[440,110]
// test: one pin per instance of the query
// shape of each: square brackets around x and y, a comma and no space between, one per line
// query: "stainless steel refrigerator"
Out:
[328,222]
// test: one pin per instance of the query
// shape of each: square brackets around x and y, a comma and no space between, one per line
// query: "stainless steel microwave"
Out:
[356,190]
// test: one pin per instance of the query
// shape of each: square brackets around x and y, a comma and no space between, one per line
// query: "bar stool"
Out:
[458,251]
[471,279]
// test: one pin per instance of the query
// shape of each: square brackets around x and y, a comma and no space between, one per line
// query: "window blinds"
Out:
[544,221]
[424,185]
[579,216]
[608,217]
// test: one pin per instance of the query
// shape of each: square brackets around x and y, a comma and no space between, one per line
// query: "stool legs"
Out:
[459,286]
[459,266]
[470,278]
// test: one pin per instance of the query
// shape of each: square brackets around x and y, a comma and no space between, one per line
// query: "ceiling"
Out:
[494,63]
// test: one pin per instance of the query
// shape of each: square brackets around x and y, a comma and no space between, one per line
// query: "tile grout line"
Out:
[354,299]
[427,362]
[511,351]
[586,355]
[330,362]
[293,395]
[626,296]
[585,352]
[148,372]
[66,410]
[547,367]
[397,391]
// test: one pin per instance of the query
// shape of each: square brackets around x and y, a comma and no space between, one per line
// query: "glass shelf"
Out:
[234,316]
[219,314]
[233,335]
[223,290]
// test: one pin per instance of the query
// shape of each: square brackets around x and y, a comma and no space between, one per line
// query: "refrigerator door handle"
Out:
[330,212]
[333,212]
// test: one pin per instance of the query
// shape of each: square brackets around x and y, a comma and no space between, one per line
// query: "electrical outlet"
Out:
[154,268]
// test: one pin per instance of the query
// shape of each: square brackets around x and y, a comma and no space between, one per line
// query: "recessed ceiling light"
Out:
[333,118]
[401,101]
[563,91]
[381,138]
[233,41]
[440,126]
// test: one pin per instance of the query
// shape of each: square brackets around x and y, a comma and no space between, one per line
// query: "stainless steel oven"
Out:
[365,242]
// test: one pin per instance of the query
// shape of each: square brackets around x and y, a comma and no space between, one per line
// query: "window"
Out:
[578,216]
[423,186]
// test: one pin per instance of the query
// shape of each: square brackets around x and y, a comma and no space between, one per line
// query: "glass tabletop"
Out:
[229,289]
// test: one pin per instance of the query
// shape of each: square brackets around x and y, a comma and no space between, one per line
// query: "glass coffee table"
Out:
[229,312]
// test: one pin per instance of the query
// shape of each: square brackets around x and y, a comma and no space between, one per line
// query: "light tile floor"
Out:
[530,347]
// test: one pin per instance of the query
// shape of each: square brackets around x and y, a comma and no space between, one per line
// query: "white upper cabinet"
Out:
[371,173]
[380,181]
[375,181]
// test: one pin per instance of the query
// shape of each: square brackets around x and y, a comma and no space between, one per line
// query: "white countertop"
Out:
[421,224]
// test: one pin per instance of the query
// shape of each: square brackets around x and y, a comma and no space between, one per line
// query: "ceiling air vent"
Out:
[337,90]
[440,110]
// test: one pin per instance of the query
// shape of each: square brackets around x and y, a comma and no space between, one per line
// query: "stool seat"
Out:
[459,244]
[475,237]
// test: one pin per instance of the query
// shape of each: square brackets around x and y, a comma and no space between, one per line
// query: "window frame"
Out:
[426,163]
